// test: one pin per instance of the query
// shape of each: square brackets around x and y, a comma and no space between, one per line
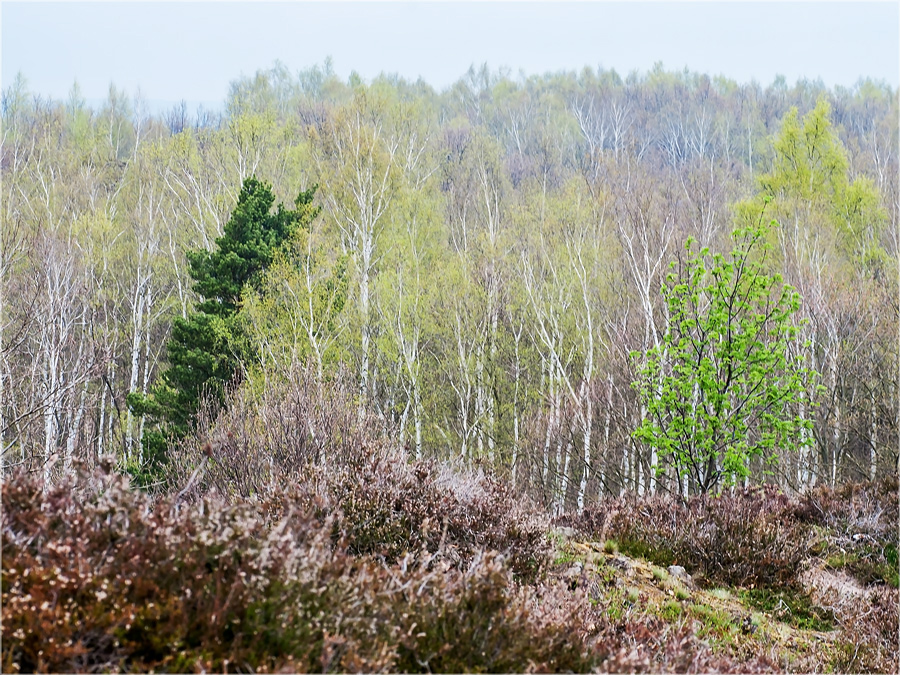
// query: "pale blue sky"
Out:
[176,50]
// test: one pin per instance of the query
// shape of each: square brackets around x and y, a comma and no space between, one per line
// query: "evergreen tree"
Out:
[206,348]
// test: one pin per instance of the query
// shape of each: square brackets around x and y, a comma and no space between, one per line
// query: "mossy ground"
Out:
[784,625]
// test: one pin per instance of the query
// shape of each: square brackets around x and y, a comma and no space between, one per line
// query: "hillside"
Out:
[569,372]
[343,574]
[345,554]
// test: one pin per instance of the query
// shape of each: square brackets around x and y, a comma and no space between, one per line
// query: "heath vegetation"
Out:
[571,372]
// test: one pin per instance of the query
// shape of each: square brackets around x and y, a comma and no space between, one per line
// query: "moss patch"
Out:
[791,607]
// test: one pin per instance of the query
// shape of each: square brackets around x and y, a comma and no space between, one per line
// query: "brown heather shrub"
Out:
[388,508]
[749,538]
[653,646]
[869,507]
[97,577]
[267,438]
[870,630]
[303,441]
[862,526]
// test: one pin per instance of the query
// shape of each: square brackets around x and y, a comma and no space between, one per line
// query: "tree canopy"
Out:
[487,260]
[726,382]
[206,347]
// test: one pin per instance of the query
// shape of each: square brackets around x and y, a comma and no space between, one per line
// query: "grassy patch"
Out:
[681,593]
[564,556]
[720,593]
[671,611]
[792,607]
[712,619]
[637,548]
[892,577]
[660,574]
[868,564]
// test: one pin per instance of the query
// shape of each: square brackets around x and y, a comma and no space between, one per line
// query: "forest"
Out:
[485,264]
[417,330]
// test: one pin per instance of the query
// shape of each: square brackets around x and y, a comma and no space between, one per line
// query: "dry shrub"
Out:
[387,508]
[270,432]
[480,622]
[869,507]
[749,538]
[861,522]
[652,646]
[870,629]
[97,577]
[301,440]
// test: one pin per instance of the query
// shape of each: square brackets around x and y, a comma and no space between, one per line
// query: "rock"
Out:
[747,625]
[574,571]
[678,572]
[574,575]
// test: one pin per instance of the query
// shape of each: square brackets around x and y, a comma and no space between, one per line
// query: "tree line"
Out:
[500,268]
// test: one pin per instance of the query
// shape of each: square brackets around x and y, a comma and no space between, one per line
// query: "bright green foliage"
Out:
[206,348]
[809,158]
[809,181]
[724,386]
[293,316]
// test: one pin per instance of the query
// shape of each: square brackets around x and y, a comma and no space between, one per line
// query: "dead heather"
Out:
[810,582]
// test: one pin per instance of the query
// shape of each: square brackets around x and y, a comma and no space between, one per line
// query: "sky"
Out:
[191,51]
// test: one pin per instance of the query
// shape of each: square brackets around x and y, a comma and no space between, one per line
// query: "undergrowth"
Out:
[97,577]
[297,537]
[762,542]
[747,539]
[300,434]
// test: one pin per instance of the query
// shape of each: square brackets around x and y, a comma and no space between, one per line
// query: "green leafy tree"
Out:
[723,387]
[293,317]
[832,246]
[207,347]
[810,184]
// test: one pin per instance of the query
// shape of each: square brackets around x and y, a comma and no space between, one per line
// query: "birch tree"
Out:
[356,158]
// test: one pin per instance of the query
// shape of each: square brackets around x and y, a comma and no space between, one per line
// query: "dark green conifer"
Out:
[205,349]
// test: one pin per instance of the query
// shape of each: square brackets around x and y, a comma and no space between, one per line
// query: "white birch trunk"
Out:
[873,441]
[545,463]
[836,432]
[364,334]
[137,305]
[606,427]
[564,483]
[586,440]
[626,464]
